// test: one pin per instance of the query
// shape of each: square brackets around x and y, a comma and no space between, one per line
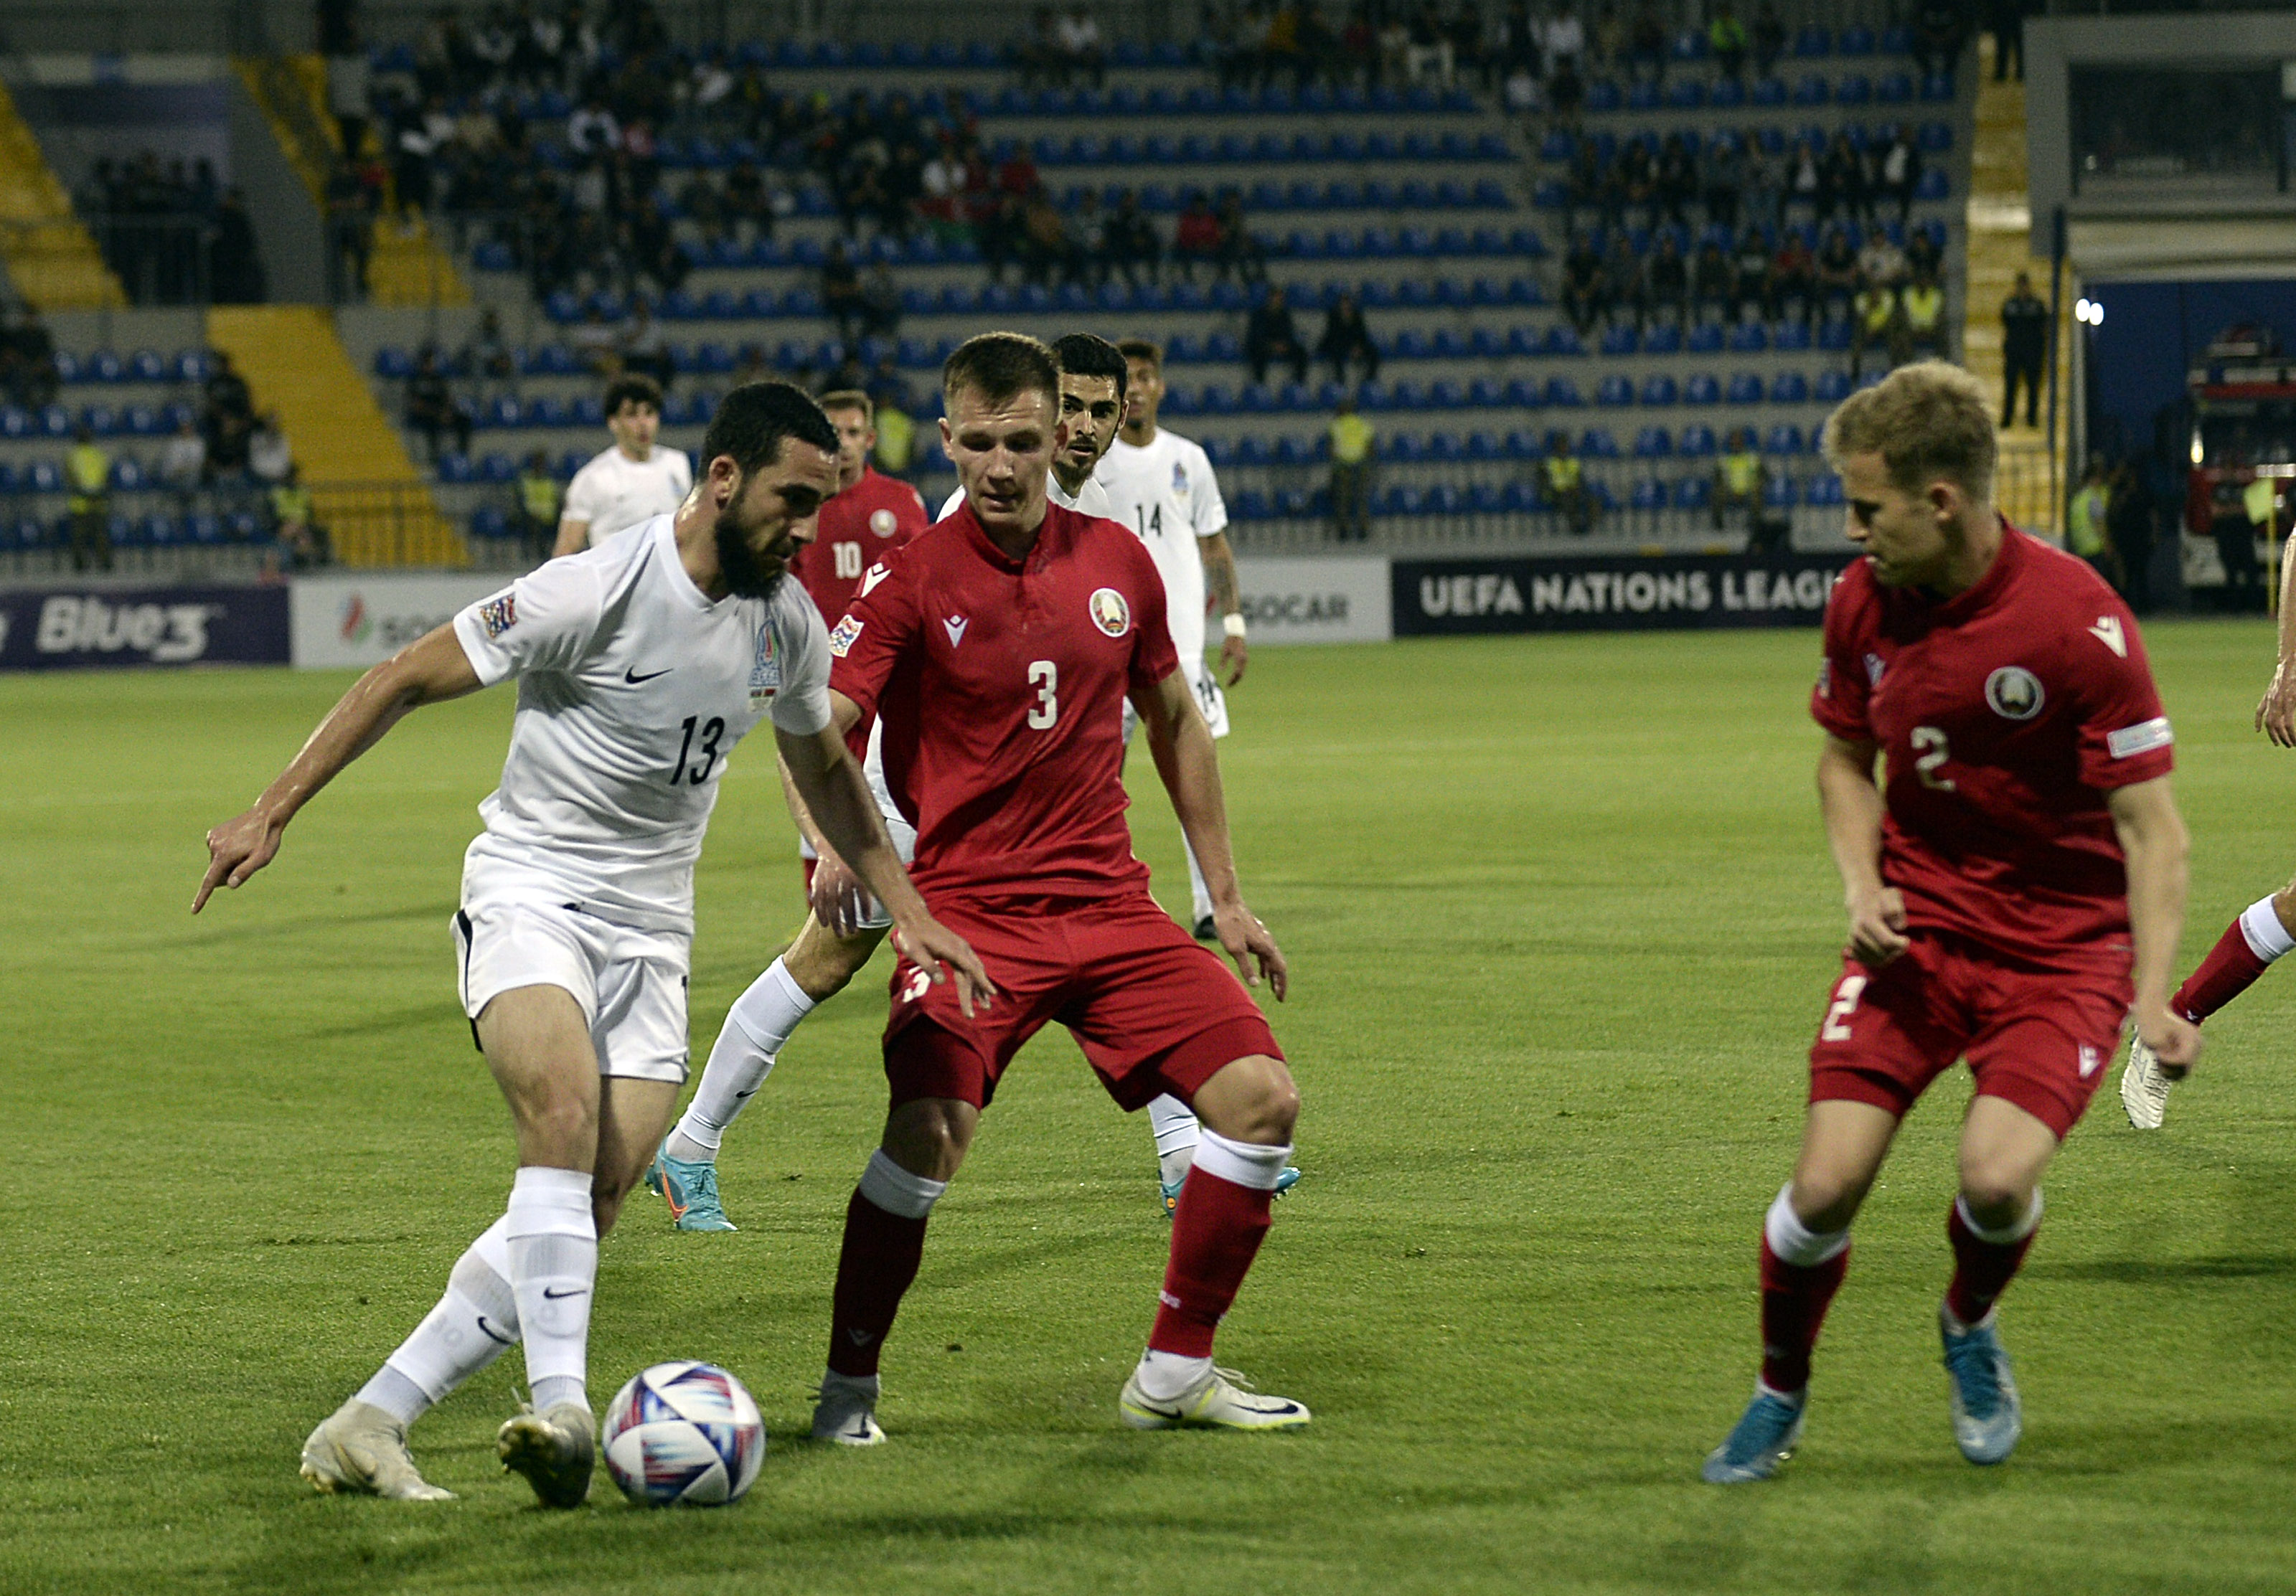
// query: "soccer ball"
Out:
[683,1433]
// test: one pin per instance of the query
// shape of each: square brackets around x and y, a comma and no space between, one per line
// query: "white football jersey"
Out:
[633,688]
[1092,498]
[1166,494]
[614,493]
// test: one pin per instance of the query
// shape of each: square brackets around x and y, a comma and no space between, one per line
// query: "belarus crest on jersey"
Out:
[882,523]
[1110,612]
[2014,693]
[765,673]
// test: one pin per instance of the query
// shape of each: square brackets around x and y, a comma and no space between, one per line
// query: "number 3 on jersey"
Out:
[1045,677]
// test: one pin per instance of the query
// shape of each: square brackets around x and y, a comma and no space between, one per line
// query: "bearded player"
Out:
[640,665]
[995,654]
[2014,878]
[842,933]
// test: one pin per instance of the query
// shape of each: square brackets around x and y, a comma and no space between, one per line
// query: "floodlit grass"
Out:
[1561,923]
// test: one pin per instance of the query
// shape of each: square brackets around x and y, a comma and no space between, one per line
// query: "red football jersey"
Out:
[859,526]
[1000,684]
[2004,715]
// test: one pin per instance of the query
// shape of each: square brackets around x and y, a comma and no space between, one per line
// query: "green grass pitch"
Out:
[1561,923]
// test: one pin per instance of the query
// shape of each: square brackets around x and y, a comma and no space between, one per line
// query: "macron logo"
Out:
[877,573]
[2089,1060]
[2107,630]
[954,627]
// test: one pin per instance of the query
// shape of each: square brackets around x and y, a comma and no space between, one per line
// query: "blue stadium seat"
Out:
[1598,443]
[128,474]
[1660,390]
[1693,493]
[141,421]
[1745,388]
[1895,88]
[1825,490]
[1563,393]
[489,523]
[1648,494]
[1790,336]
[102,420]
[1652,442]
[393,363]
[1789,388]
[1784,438]
[1446,448]
[1615,389]
[1779,493]
[1704,338]
[1932,185]
[1853,91]
[1664,338]
[1702,389]
[1620,341]
[1749,338]
[1833,337]
[1697,443]
[1810,89]
[454,468]
[497,467]
[1832,388]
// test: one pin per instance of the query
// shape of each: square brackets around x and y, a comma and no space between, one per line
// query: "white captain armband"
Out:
[2142,738]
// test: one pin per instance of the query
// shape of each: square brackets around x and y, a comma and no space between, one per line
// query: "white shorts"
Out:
[630,983]
[1209,698]
[903,834]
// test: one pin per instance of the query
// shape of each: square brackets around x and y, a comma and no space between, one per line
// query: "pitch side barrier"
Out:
[66,626]
[1617,592]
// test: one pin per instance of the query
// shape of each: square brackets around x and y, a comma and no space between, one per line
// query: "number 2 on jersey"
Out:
[695,774]
[1045,677]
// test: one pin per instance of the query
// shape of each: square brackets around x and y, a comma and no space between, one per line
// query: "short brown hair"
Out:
[999,366]
[850,399]
[1926,421]
[1142,348]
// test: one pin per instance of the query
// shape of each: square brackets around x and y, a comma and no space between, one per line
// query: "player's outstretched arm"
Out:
[2275,714]
[432,669]
[573,538]
[1851,805]
[832,789]
[1189,764]
[2153,840]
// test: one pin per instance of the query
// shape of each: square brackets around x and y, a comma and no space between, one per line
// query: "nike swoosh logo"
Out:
[555,1295]
[492,1334]
[633,678]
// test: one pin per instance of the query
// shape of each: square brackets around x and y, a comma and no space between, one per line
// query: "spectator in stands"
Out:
[1793,277]
[1940,30]
[1842,186]
[1082,48]
[1923,253]
[1767,38]
[1049,253]
[1196,236]
[234,266]
[1582,189]
[1922,307]
[295,527]
[1880,261]
[1877,322]
[27,359]
[1765,190]
[1750,289]
[1565,40]
[880,304]
[2240,517]
[1133,247]
[1725,39]
[349,85]
[1566,92]
[1429,61]
[1240,250]
[432,409]
[2085,522]
[1637,188]
[1271,334]
[1725,180]
[1805,178]
[641,346]
[1738,477]
[1837,270]
[227,416]
[1089,228]
[2129,527]
[1563,476]
[1711,279]
[1667,278]
[2024,350]
[88,475]
[1039,53]
[184,462]
[1347,337]
[1352,442]
[1582,284]
[1519,91]
[1623,291]
[539,497]
[1675,181]
[841,291]
[2004,19]
[269,456]
[1898,172]
[1646,45]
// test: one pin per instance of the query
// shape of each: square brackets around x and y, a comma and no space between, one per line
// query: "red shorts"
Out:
[2037,1034]
[1154,1010]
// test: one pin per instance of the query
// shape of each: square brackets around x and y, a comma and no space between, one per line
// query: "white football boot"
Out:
[361,1451]
[1222,1399]
[554,1449]
[2144,1086]
[845,1410]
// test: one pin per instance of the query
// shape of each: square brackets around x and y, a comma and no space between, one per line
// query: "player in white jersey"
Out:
[640,666]
[633,481]
[845,926]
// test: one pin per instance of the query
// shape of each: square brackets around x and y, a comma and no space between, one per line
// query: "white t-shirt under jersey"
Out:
[614,491]
[633,688]
[1092,499]
[1167,495]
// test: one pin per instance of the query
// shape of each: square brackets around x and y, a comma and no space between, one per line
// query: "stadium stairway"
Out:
[2000,246]
[407,266]
[295,363]
[52,261]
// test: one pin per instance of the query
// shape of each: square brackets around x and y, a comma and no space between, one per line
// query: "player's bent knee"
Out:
[930,1136]
[1252,1099]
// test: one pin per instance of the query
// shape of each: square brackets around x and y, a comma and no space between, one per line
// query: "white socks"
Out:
[2009,1234]
[1175,1131]
[1795,1242]
[1245,1163]
[887,1185]
[2260,928]
[473,1324]
[756,1029]
[553,1269]
[1164,1376]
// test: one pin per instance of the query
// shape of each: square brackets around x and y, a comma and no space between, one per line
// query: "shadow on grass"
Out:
[2144,1271]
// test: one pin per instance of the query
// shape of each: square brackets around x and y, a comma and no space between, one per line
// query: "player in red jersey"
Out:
[2261,933]
[2021,838]
[869,515]
[995,654]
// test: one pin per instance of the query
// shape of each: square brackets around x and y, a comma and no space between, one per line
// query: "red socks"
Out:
[1982,1270]
[1794,1300]
[2228,970]
[874,1268]
[1215,1236]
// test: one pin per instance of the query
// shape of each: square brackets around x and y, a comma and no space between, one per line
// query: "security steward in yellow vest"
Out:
[1738,479]
[87,472]
[1565,479]
[1877,323]
[1924,306]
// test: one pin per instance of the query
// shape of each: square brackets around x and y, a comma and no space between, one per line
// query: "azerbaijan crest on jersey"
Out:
[2014,693]
[1179,479]
[1110,612]
[766,669]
